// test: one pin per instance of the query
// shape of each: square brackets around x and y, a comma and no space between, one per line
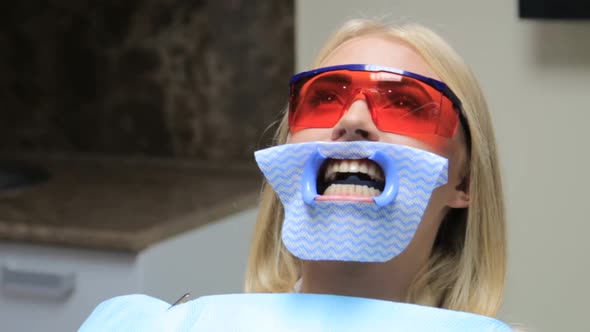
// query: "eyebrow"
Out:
[334,78]
[403,83]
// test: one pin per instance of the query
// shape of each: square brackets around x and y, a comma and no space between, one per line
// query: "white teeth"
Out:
[344,166]
[375,172]
[335,167]
[371,171]
[363,168]
[351,190]
[353,166]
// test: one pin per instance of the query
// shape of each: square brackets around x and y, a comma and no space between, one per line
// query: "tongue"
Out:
[351,179]
[355,179]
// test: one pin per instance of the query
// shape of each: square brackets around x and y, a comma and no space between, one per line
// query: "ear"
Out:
[460,197]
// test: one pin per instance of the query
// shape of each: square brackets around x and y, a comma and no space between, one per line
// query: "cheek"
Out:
[451,149]
[435,144]
[310,135]
[455,154]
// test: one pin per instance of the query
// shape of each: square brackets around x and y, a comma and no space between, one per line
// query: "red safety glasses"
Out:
[400,102]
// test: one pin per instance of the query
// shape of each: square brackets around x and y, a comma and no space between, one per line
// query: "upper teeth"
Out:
[365,166]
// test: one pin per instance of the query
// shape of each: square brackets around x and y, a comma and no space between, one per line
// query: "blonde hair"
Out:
[466,270]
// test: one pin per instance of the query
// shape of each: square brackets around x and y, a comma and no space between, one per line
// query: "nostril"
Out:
[343,134]
[363,133]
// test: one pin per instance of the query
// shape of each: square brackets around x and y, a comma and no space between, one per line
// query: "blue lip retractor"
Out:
[391,178]
[310,177]
[315,161]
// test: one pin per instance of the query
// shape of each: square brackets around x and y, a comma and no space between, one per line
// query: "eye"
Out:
[408,104]
[403,102]
[324,97]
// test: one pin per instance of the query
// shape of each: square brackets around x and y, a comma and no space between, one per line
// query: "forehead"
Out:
[379,50]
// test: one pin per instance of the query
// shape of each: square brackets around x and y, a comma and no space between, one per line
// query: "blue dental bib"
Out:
[280,312]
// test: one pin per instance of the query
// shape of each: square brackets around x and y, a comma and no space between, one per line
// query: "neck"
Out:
[381,281]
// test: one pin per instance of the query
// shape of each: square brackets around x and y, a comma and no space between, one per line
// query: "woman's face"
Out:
[357,124]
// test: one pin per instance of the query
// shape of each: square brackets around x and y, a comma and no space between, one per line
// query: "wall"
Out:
[537,78]
[206,261]
[165,78]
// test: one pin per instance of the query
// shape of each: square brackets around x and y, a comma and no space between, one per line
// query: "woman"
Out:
[456,260]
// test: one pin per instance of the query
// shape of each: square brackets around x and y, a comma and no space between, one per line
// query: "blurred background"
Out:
[127,131]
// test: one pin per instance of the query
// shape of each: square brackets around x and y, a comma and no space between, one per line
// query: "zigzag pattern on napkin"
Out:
[351,231]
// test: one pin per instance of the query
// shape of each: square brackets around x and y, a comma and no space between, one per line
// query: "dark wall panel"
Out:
[159,78]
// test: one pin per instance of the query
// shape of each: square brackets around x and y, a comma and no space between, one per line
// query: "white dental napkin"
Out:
[375,231]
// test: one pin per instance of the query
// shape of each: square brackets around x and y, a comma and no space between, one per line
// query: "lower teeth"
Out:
[351,190]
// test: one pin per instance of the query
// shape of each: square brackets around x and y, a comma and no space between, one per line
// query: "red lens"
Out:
[398,103]
[321,101]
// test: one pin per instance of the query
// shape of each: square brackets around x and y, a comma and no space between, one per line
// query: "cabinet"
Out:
[99,228]
[208,260]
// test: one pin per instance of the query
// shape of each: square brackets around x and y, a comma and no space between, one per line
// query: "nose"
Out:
[356,124]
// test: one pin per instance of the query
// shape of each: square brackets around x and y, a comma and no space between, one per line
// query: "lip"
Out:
[333,198]
[311,170]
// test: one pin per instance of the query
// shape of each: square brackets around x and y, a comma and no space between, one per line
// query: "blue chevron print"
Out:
[348,230]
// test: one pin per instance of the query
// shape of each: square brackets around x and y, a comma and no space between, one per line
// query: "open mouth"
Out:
[350,178]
